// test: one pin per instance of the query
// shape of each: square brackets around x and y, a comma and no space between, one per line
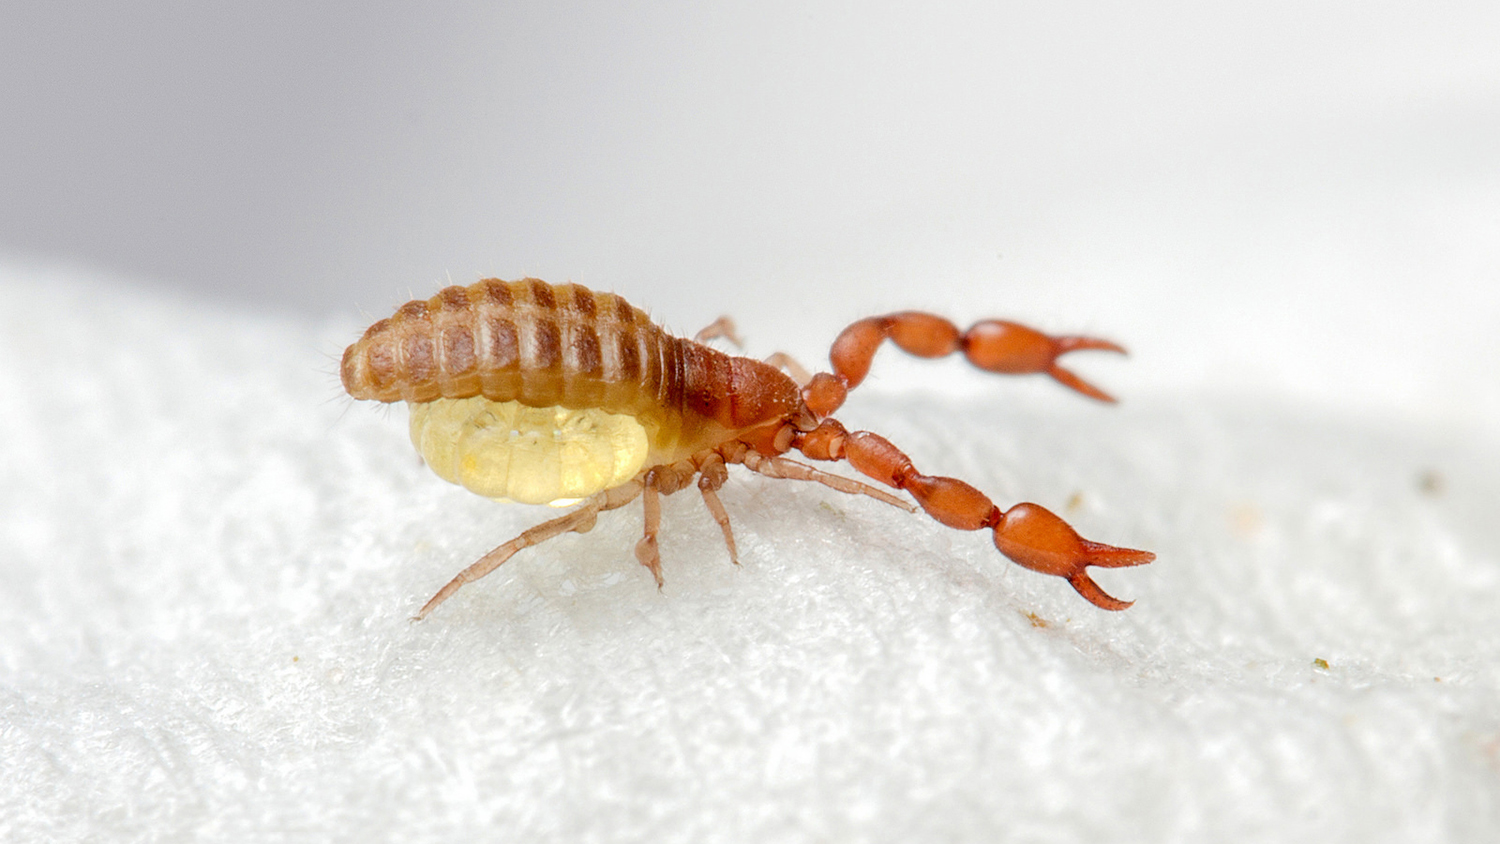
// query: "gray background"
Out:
[795,164]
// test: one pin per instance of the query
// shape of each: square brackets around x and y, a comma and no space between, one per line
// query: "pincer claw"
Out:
[998,345]
[1039,540]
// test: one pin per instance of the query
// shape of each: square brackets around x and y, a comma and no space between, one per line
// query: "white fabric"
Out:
[208,556]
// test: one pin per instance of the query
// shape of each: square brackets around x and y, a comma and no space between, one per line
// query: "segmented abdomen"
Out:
[526,341]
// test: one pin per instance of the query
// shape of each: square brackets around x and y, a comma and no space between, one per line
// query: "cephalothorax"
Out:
[556,394]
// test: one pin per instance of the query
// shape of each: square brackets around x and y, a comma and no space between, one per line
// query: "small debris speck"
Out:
[1246,520]
[1431,482]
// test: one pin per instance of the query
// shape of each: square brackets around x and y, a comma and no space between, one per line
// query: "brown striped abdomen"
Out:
[525,341]
[562,345]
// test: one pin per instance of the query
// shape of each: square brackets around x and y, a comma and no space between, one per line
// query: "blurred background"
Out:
[1285,198]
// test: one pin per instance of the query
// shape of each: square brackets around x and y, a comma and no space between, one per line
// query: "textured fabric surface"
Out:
[208,557]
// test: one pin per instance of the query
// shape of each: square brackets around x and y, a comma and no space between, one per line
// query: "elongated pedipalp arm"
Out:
[1029,534]
[992,345]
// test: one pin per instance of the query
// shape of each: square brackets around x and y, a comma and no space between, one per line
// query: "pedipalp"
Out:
[1028,534]
[993,345]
